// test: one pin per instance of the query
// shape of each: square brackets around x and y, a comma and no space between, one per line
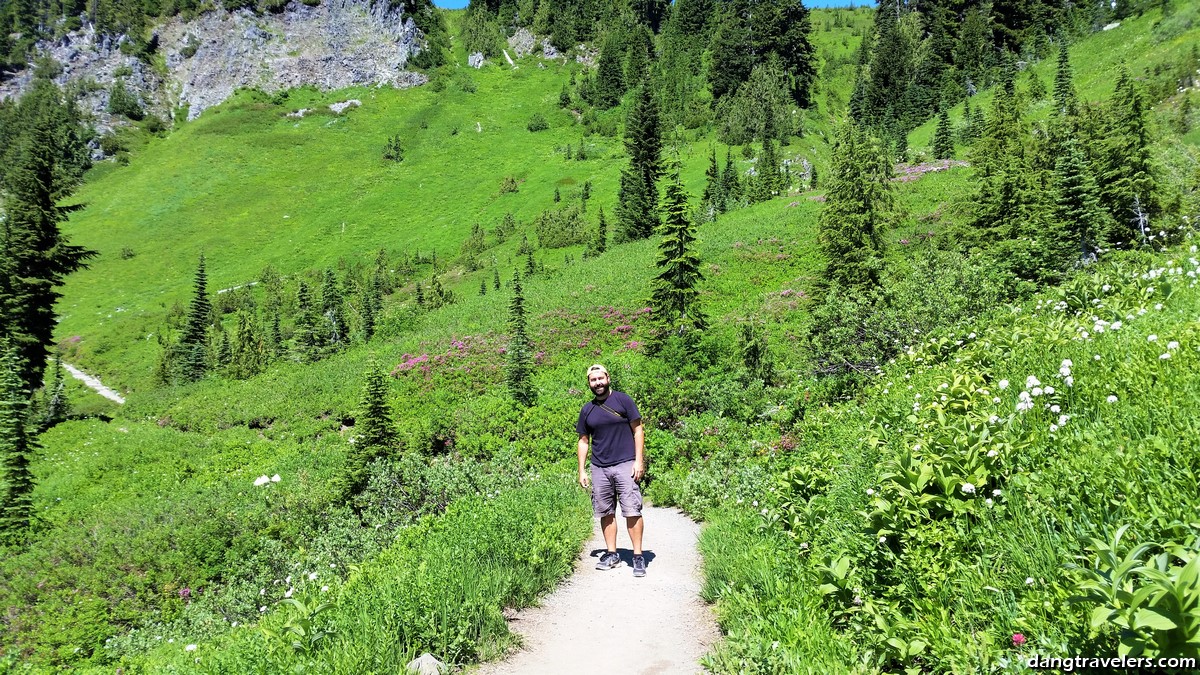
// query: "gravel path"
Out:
[609,622]
[95,384]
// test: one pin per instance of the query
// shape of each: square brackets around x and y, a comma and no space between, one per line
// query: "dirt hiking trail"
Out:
[604,622]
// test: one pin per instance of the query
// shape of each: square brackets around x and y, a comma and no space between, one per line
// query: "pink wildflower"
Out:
[1018,639]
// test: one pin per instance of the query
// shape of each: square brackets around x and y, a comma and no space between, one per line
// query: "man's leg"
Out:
[608,525]
[634,525]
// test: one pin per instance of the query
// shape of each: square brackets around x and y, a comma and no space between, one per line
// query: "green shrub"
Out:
[123,102]
[537,123]
[557,228]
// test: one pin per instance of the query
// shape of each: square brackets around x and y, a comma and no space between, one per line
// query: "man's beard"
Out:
[600,390]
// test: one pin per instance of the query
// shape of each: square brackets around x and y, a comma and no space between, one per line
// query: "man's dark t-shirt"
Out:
[612,438]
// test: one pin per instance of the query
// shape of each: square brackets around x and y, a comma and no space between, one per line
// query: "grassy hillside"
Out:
[155,537]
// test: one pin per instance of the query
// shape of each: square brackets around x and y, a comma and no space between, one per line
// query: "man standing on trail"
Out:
[611,424]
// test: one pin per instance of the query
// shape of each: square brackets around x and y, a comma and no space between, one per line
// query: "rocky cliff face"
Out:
[337,44]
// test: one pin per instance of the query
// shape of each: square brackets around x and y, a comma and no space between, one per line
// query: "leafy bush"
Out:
[557,228]
[537,122]
[393,149]
[509,184]
[190,47]
[123,102]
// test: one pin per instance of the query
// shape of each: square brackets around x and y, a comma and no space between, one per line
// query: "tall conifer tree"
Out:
[943,137]
[1066,103]
[858,205]
[333,313]
[16,445]
[375,433]
[41,170]
[519,371]
[675,297]
[637,199]
[1129,189]
[192,350]
[305,337]
[1078,203]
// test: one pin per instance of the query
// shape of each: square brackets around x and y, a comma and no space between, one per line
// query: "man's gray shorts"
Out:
[611,482]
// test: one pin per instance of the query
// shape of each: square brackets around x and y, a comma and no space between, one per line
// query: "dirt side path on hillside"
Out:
[606,622]
[95,384]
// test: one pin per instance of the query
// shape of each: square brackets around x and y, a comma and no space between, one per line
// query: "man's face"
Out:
[598,382]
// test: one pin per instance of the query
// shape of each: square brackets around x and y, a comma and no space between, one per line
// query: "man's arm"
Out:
[584,479]
[639,442]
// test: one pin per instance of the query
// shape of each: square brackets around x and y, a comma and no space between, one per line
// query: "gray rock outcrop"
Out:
[338,44]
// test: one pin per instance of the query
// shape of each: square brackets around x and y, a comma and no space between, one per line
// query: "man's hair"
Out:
[595,367]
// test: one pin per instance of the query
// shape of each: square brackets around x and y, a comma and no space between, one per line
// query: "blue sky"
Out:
[459,4]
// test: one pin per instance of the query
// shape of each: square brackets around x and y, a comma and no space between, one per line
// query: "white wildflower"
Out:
[1152,338]
[261,481]
[1112,398]
[968,489]
[1172,345]
[190,648]
[1003,384]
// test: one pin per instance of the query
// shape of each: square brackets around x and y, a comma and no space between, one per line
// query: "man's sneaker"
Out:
[639,566]
[608,561]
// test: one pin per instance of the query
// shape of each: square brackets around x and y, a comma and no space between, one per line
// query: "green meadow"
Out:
[918,523]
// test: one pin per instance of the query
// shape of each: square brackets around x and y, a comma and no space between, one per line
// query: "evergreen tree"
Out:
[965,133]
[713,198]
[732,54]
[1129,189]
[1066,103]
[223,352]
[812,180]
[767,179]
[530,265]
[943,137]
[858,205]
[1014,213]
[16,446]
[1183,119]
[306,340]
[675,298]
[610,76]
[1037,88]
[372,303]
[730,182]
[276,337]
[495,278]
[636,210]
[56,405]
[600,242]
[640,52]
[192,357]
[375,433]
[1078,204]
[39,172]
[520,359]
[637,199]
[482,286]
[247,356]
[335,332]
[420,293]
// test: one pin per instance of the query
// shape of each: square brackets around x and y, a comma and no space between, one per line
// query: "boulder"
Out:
[426,664]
